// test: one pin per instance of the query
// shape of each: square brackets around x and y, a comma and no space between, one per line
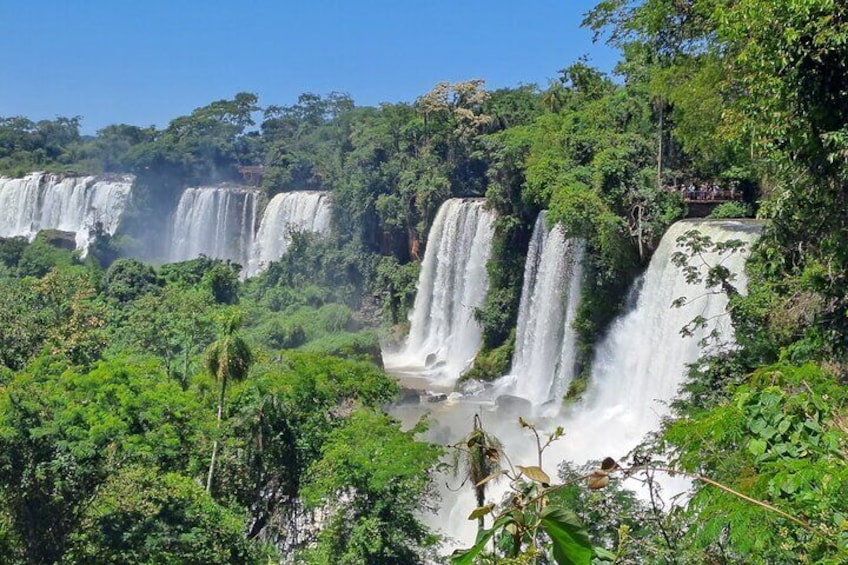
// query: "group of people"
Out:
[706,191]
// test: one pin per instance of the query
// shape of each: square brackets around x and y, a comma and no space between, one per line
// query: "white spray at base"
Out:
[638,369]
[40,201]
[444,336]
[544,360]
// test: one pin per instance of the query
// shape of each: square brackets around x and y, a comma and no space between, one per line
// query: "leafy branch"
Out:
[532,527]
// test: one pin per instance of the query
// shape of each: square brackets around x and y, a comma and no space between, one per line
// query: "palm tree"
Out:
[554,98]
[228,358]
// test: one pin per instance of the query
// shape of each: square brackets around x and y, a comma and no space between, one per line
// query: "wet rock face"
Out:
[59,238]
[514,405]
[437,397]
[409,396]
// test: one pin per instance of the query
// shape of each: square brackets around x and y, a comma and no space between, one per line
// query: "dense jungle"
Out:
[180,412]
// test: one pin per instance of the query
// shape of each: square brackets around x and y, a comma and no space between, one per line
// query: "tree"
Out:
[280,419]
[142,515]
[227,359]
[374,479]
[174,324]
[781,438]
[129,279]
[64,433]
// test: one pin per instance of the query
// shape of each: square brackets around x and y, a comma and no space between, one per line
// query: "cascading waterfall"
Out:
[544,360]
[288,212]
[640,365]
[638,368]
[443,336]
[76,204]
[216,221]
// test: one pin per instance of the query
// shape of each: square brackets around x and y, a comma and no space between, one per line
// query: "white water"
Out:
[288,212]
[544,360]
[640,365]
[41,201]
[444,337]
[216,221]
[638,368]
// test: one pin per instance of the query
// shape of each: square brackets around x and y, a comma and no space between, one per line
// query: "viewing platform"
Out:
[703,198]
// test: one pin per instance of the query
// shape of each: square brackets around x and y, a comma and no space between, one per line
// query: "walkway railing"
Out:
[706,195]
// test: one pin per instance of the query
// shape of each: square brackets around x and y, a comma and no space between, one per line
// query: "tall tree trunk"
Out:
[660,146]
[217,432]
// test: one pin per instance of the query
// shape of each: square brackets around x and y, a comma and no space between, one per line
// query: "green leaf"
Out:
[482,511]
[535,474]
[757,446]
[466,556]
[604,554]
[569,539]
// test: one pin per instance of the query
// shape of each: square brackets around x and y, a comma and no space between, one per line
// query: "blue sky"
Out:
[146,62]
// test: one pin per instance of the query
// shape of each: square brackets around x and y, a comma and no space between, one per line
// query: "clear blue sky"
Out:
[146,62]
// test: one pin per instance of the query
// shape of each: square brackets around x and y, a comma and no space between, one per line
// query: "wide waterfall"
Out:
[216,221]
[544,360]
[287,212]
[76,204]
[444,336]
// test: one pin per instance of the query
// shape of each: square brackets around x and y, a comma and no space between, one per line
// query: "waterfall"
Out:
[443,336]
[288,212]
[640,365]
[544,360]
[76,204]
[216,221]
[638,369]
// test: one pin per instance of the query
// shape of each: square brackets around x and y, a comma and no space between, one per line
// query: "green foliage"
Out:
[174,325]
[220,278]
[499,313]
[360,345]
[27,146]
[731,210]
[614,516]
[492,363]
[11,250]
[342,272]
[103,248]
[532,526]
[396,285]
[40,256]
[64,433]
[374,478]
[780,437]
[280,418]
[227,359]
[128,279]
[143,516]
[58,311]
